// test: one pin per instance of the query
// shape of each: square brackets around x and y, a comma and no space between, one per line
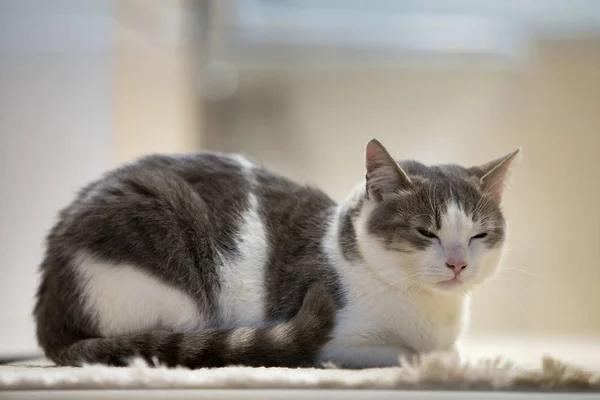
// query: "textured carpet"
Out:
[433,371]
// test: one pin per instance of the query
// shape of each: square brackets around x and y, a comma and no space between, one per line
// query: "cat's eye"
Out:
[479,236]
[427,234]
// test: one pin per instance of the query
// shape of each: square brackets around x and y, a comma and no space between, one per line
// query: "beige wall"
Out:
[155,74]
[55,125]
[313,126]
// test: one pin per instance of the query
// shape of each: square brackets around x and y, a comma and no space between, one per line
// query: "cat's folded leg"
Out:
[356,357]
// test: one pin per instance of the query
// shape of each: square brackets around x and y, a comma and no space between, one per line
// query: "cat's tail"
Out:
[293,343]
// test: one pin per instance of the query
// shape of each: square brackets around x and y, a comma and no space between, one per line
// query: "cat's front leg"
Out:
[365,356]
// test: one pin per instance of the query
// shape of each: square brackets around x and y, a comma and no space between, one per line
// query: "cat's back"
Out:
[221,180]
[208,199]
[223,185]
[209,207]
[229,184]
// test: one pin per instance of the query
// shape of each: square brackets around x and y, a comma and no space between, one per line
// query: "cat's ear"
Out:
[384,175]
[494,175]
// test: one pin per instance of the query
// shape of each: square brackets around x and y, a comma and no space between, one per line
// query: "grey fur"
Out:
[297,217]
[347,231]
[168,215]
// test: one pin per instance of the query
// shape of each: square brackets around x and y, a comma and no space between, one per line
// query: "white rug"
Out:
[434,371]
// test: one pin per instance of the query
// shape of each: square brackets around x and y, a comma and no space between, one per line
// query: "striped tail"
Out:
[295,343]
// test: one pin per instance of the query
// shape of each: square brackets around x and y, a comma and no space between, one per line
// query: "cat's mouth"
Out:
[449,283]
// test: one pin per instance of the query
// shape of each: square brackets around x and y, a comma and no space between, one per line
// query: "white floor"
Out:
[584,352]
[524,351]
[286,394]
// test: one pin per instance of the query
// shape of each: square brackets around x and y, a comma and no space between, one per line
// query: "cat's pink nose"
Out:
[456,265]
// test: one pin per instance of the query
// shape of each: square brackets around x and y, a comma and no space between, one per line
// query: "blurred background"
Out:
[300,86]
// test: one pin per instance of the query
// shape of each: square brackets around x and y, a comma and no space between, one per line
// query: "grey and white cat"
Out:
[210,260]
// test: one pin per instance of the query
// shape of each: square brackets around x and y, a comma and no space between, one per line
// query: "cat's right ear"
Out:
[494,175]
[384,175]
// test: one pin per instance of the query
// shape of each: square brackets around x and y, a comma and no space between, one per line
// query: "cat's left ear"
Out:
[493,176]
[384,175]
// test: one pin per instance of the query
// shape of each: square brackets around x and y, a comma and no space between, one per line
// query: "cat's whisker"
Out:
[506,278]
[526,272]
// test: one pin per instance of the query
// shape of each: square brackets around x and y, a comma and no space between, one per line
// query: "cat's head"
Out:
[436,226]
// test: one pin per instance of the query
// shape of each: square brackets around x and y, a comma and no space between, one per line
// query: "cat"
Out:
[208,260]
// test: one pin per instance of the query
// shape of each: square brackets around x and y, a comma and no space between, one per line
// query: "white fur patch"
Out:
[242,296]
[385,309]
[240,338]
[456,226]
[125,300]
[281,333]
